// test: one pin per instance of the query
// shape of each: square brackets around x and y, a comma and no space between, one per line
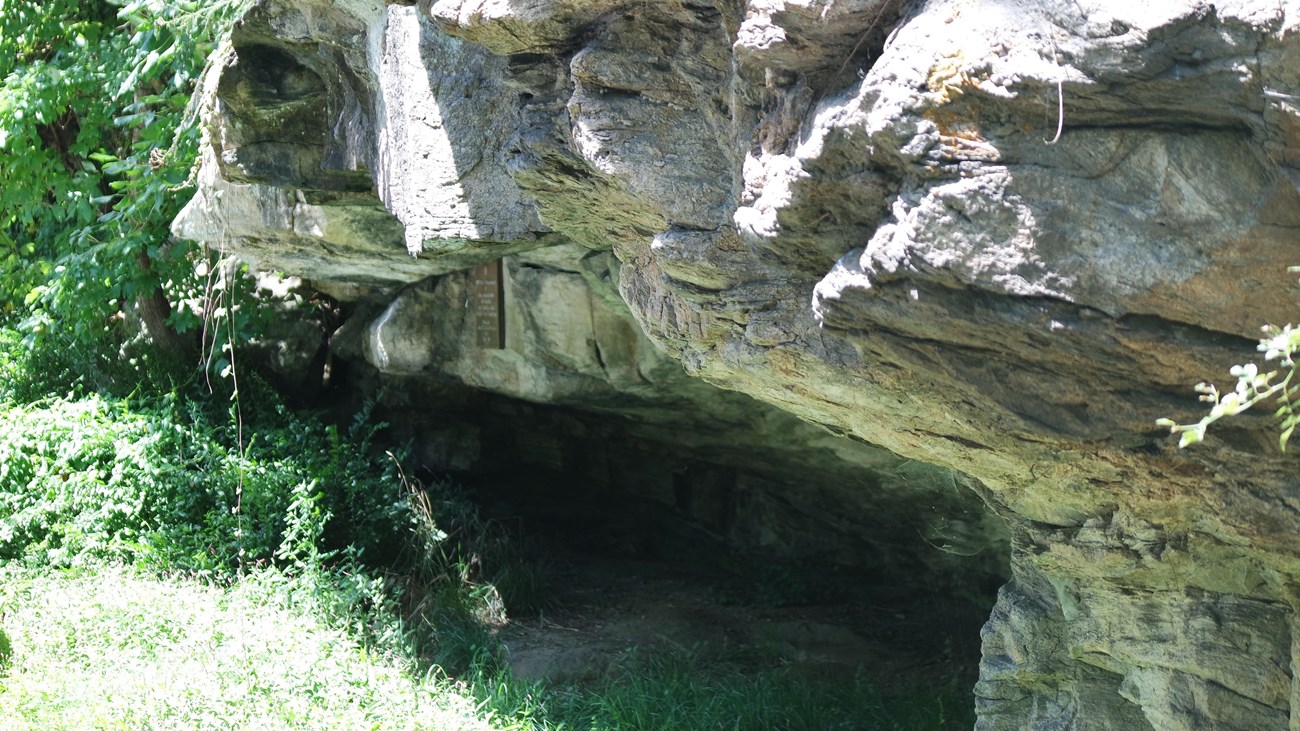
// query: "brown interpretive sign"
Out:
[487,305]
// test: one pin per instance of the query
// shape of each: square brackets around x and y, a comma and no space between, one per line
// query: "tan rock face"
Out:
[862,213]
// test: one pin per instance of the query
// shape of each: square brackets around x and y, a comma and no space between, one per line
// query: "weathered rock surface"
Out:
[999,237]
[440,122]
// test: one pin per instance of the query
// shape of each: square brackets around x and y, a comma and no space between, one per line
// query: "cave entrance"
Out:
[774,546]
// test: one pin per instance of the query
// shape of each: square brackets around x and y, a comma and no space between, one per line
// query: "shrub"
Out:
[189,482]
[177,483]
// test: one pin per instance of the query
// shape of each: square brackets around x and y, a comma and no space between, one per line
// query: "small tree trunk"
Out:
[154,309]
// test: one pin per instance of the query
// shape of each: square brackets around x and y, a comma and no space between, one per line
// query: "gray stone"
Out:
[997,238]
[341,150]
[520,26]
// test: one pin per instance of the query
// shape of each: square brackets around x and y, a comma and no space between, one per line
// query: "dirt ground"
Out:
[607,607]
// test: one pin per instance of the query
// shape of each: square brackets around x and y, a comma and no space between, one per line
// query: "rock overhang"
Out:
[888,238]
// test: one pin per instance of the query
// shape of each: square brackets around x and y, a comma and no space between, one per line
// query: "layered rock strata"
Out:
[999,237]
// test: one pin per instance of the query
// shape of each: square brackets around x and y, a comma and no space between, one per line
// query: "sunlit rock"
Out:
[996,239]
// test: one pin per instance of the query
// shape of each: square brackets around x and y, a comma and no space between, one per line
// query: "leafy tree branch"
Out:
[96,142]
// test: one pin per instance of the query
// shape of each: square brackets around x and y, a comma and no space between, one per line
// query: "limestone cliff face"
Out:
[999,238]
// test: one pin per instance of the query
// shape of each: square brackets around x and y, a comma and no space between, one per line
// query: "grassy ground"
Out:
[112,650]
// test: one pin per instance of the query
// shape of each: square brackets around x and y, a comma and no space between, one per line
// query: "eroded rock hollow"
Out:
[994,238]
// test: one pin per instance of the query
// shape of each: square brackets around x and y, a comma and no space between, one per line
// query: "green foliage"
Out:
[6,651]
[1253,388]
[33,370]
[183,482]
[175,482]
[96,137]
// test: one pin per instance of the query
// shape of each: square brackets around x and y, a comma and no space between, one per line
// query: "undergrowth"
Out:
[197,484]
[171,561]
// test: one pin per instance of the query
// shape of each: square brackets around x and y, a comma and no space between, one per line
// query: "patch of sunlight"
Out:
[113,650]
